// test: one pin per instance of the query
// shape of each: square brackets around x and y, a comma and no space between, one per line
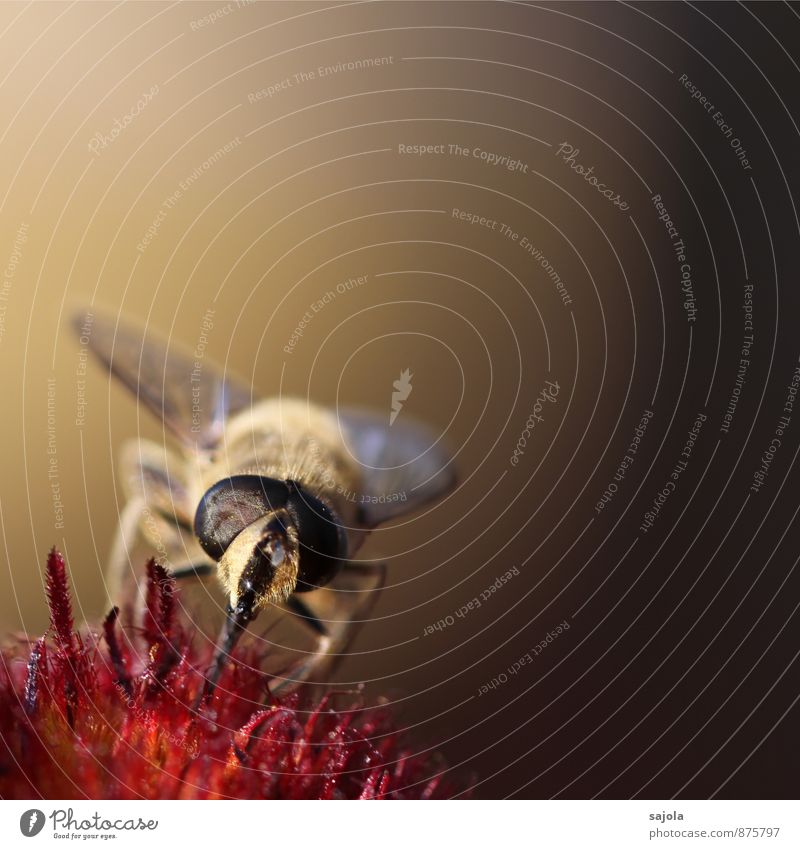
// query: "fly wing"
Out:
[190,395]
[152,474]
[404,465]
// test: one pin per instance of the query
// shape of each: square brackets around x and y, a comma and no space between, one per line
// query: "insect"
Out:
[271,498]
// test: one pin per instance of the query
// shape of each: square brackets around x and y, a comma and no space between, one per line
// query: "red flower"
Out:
[112,716]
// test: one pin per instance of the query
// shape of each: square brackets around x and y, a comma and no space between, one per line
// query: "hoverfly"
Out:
[269,499]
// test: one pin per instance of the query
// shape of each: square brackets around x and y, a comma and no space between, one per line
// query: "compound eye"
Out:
[322,539]
[231,505]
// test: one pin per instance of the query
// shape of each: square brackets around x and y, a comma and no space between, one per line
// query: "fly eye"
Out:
[322,539]
[231,505]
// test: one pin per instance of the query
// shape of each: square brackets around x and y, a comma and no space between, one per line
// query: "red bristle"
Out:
[36,664]
[166,592]
[160,604]
[114,650]
[312,720]
[152,612]
[248,733]
[369,785]
[158,624]
[338,755]
[383,789]
[59,601]
[131,732]
[69,660]
[430,787]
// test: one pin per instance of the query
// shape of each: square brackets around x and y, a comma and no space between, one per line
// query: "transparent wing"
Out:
[156,520]
[192,397]
[151,473]
[404,465]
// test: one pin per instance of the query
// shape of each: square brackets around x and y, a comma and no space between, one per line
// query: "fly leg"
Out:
[365,581]
[302,611]
[119,561]
[201,569]
[365,569]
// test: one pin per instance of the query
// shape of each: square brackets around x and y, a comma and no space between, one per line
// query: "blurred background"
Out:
[592,197]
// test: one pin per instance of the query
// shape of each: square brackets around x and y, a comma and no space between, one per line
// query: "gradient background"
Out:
[678,674]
